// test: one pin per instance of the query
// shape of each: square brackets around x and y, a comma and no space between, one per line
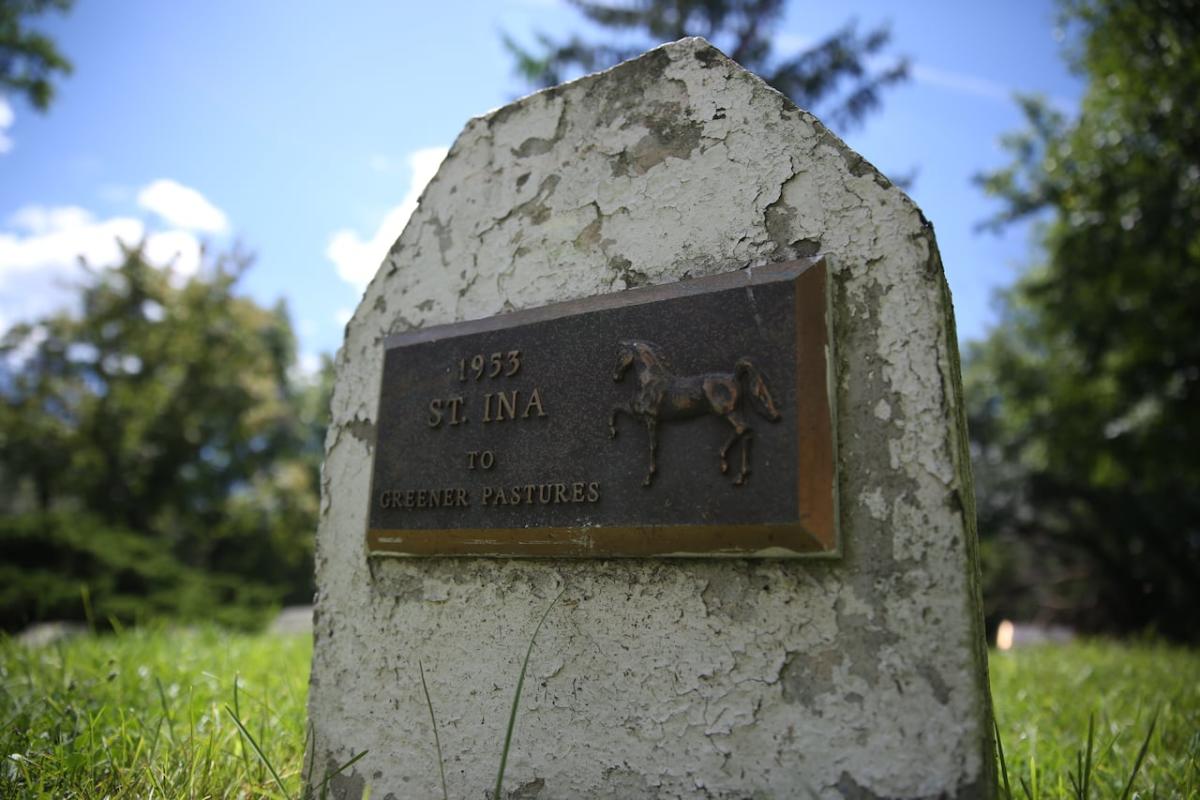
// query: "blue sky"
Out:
[297,130]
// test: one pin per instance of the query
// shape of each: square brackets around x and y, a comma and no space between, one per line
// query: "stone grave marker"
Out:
[658,340]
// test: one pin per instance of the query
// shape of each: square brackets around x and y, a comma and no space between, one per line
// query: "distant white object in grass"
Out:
[293,619]
[45,634]
[1004,635]
[1023,634]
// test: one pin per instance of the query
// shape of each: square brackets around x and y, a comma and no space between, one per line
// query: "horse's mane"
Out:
[655,358]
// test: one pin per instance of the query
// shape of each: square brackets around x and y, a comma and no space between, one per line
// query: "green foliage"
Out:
[28,59]
[59,565]
[834,76]
[163,431]
[1083,401]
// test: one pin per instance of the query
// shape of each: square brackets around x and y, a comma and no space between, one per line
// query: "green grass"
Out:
[1046,697]
[143,714]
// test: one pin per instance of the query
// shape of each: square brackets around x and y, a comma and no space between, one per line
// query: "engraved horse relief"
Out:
[662,396]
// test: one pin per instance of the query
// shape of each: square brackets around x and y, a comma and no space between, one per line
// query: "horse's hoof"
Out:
[724,468]
[612,433]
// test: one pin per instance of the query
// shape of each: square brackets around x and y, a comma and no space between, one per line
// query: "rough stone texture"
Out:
[862,677]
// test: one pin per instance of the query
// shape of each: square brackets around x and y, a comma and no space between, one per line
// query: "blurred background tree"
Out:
[835,78]
[28,59]
[1083,402]
[160,446]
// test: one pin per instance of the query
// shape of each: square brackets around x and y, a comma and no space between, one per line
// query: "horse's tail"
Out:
[755,385]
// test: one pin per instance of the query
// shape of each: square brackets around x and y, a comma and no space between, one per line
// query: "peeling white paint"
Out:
[662,678]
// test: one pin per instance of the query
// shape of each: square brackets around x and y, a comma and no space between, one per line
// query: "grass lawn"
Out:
[1046,697]
[147,714]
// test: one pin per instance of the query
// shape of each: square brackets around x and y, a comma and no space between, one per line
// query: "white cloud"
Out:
[40,253]
[343,315]
[307,368]
[964,83]
[58,237]
[6,121]
[40,220]
[28,348]
[180,249]
[355,258]
[790,43]
[961,82]
[41,246]
[310,362]
[182,206]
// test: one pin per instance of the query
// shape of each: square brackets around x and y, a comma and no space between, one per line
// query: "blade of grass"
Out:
[310,747]
[1008,795]
[191,741]
[331,775]
[1036,793]
[1137,765]
[237,710]
[88,615]
[1091,744]
[162,696]
[261,755]
[266,713]
[437,743]
[91,733]
[208,754]
[512,716]
[1083,764]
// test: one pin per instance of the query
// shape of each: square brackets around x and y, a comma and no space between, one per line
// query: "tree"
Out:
[1083,402]
[835,76]
[169,412]
[28,59]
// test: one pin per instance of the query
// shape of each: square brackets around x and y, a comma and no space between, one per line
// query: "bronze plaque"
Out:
[692,419]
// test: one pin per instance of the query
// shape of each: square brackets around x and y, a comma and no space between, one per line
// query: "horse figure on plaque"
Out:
[663,396]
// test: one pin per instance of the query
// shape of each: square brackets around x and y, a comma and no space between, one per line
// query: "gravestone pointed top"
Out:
[581,169]
[859,675]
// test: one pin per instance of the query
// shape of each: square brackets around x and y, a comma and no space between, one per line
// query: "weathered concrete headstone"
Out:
[840,652]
